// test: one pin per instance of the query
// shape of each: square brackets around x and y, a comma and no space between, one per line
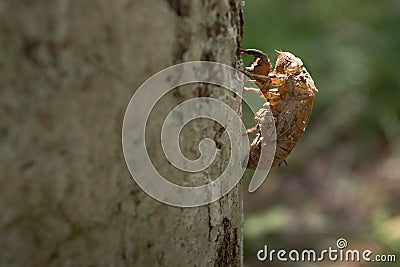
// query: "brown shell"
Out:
[265,128]
[290,103]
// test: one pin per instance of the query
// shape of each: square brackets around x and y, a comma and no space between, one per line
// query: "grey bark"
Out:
[68,70]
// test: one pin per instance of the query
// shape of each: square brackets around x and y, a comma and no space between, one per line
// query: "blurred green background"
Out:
[343,178]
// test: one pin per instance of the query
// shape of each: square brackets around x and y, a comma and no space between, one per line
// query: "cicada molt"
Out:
[289,91]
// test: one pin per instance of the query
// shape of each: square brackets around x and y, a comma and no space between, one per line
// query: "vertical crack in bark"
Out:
[181,8]
[183,33]
[228,244]
[209,222]
[238,21]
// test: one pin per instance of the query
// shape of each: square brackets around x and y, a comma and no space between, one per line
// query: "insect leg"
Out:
[251,89]
[256,77]
[251,130]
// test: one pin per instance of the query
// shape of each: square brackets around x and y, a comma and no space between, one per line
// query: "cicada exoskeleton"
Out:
[289,91]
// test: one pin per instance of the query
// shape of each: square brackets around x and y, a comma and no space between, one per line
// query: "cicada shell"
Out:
[289,91]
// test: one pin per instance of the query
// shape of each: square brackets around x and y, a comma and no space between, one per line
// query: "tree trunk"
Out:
[68,70]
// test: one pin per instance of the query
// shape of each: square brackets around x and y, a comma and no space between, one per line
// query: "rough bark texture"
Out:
[68,70]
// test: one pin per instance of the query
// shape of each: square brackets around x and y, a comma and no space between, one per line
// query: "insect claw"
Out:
[284,161]
[253,52]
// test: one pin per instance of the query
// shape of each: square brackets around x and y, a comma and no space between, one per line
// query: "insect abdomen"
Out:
[290,126]
[292,119]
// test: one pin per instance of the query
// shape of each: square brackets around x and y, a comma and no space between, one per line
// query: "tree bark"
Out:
[68,70]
